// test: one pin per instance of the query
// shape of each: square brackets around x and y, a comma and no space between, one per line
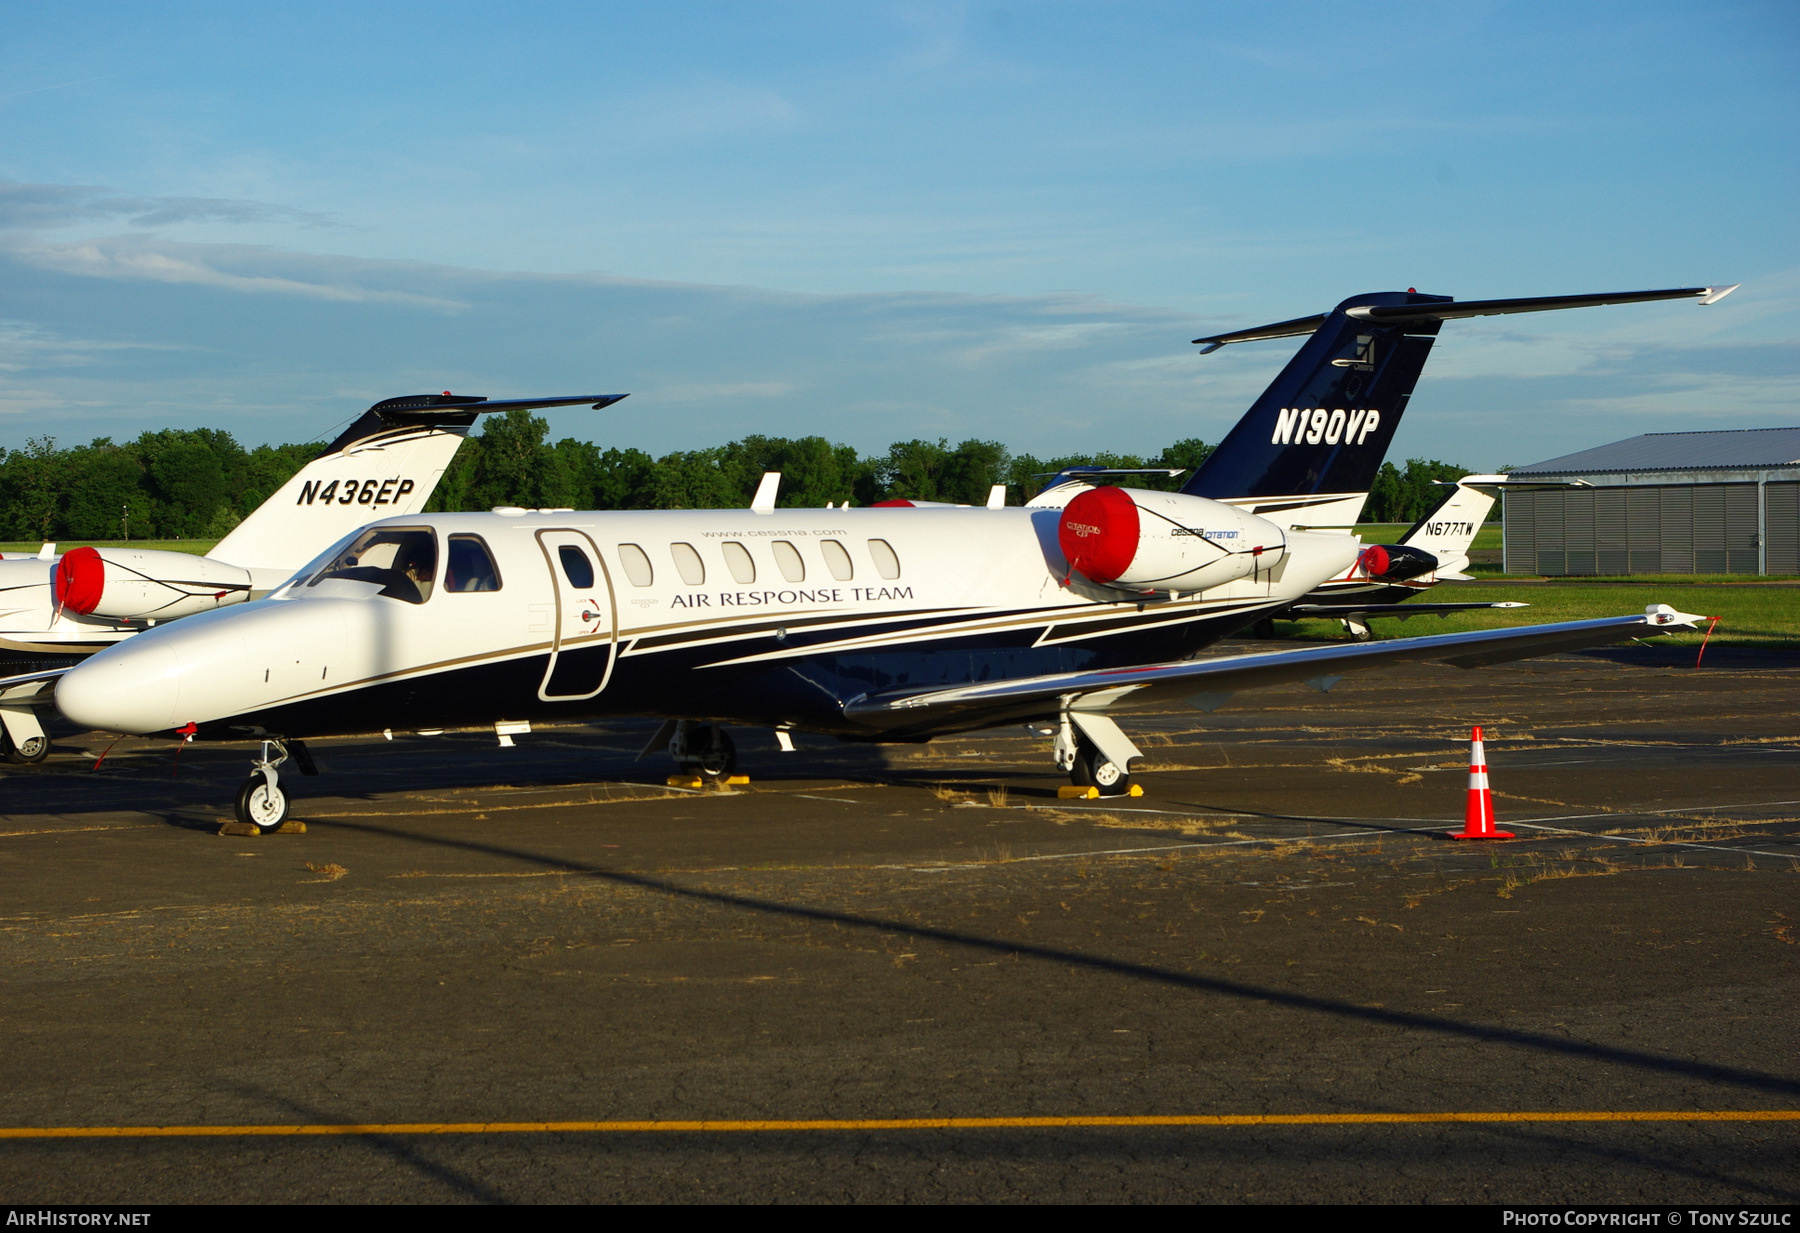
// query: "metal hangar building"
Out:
[1661,503]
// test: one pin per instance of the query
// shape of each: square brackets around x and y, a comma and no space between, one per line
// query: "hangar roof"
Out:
[1680,451]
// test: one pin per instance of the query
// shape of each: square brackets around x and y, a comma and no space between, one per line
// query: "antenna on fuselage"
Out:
[764,500]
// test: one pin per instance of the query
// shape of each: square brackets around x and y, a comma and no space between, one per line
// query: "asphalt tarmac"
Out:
[490,940]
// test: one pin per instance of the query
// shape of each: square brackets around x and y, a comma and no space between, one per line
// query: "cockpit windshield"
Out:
[402,560]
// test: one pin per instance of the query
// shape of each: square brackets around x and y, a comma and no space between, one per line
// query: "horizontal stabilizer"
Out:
[449,410]
[1533,304]
[1281,329]
[422,405]
[1405,313]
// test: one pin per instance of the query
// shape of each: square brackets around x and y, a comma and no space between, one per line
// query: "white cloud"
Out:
[52,206]
[141,257]
[116,335]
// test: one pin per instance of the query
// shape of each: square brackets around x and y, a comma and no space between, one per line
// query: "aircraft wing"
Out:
[26,686]
[1316,611]
[1208,682]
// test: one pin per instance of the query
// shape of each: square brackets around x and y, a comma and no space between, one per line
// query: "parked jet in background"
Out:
[54,608]
[1434,549]
[877,624]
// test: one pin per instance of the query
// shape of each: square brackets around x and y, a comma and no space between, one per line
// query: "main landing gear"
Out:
[22,738]
[703,749]
[1093,769]
[31,749]
[1095,752]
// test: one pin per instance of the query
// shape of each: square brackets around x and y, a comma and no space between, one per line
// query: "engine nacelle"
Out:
[1164,540]
[144,584]
[1395,562]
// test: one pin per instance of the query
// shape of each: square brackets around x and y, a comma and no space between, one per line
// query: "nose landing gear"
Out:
[261,802]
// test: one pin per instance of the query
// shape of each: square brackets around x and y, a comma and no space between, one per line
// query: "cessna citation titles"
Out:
[876,624]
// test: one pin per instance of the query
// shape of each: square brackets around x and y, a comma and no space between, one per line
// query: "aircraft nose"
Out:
[127,688]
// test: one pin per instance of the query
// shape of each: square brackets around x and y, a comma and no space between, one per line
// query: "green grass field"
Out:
[1750,615]
[199,547]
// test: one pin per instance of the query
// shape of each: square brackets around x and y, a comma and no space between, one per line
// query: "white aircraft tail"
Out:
[1448,530]
[386,463]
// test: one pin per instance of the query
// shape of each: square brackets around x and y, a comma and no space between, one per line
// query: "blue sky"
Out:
[886,221]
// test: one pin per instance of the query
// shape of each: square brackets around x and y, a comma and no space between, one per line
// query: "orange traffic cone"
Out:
[1478,818]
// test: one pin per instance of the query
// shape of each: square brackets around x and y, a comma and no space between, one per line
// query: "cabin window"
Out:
[637,565]
[787,559]
[576,567]
[402,560]
[471,565]
[737,559]
[688,564]
[886,563]
[837,560]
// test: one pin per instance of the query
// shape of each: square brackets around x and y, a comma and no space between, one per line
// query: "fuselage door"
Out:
[585,622]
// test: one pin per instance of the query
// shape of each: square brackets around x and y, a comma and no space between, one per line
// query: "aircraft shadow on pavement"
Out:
[403,1151]
[1736,1077]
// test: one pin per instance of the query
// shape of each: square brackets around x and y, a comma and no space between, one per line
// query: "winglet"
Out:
[1715,294]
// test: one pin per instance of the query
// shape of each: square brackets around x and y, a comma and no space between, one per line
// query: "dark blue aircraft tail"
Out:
[1324,424]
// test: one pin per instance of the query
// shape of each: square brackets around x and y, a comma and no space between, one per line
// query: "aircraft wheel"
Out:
[1094,770]
[259,805]
[34,749]
[714,753]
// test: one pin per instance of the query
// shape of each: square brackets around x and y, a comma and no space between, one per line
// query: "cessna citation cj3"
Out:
[56,609]
[876,624]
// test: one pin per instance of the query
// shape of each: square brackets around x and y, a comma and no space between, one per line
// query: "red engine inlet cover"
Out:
[80,578]
[1099,533]
[1375,561]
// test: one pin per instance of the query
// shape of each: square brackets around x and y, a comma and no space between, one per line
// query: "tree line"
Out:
[198,483]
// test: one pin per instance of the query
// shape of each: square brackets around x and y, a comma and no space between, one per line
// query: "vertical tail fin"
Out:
[375,470]
[1324,424]
[386,463]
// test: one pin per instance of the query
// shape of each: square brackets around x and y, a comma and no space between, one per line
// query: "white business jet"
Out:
[878,624]
[57,608]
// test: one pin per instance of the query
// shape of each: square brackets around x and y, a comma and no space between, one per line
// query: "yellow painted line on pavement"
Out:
[804,1125]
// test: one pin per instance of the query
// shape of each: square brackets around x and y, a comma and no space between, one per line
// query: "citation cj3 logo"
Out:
[1083,529]
[1312,425]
